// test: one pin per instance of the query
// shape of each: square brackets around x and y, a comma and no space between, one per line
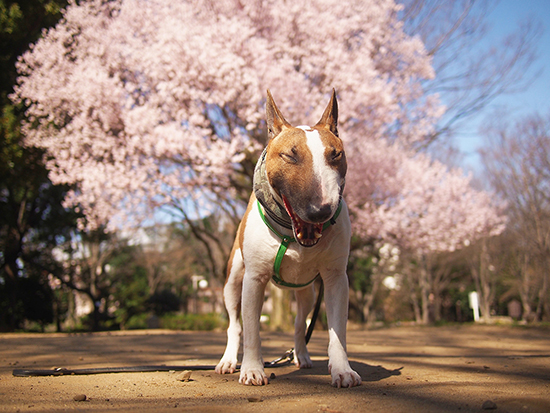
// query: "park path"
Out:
[469,368]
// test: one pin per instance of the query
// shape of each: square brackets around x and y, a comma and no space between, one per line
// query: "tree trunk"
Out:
[368,314]
[12,252]
[542,296]
[485,282]
[480,273]
[425,291]
[416,307]
[281,317]
[524,291]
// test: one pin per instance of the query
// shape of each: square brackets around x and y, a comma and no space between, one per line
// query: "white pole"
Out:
[474,304]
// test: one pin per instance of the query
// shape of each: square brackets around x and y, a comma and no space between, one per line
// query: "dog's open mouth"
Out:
[306,233]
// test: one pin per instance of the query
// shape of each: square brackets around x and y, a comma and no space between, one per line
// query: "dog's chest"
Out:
[299,264]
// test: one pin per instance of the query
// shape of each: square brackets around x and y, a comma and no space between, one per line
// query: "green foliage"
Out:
[360,270]
[178,321]
[200,322]
[37,304]
[21,23]
[128,284]
[137,322]
[32,219]
[164,301]
[10,15]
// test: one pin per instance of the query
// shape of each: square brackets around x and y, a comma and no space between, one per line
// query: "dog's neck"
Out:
[263,192]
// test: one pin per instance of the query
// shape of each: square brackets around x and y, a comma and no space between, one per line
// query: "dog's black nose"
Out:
[319,214]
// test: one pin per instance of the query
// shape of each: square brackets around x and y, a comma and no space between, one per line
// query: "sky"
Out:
[504,20]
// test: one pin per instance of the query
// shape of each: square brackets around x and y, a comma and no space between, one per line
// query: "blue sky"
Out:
[504,20]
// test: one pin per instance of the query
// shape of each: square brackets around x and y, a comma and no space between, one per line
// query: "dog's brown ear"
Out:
[275,119]
[329,120]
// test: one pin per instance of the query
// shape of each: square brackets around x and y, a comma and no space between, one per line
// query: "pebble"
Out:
[80,398]
[489,405]
[255,399]
[185,376]
[272,376]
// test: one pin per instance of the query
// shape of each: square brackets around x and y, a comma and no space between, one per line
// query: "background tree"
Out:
[86,270]
[32,219]
[469,77]
[129,290]
[424,209]
[144,106]
[517,161]
[183,116]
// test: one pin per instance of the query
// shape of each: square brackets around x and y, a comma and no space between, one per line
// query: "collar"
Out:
[285,242]
[262,190]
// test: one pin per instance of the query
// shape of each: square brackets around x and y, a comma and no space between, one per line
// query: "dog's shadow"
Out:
[367,372]
[373,373]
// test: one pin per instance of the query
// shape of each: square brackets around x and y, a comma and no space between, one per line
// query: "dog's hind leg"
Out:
[337,302]
[304,300]
[232,293]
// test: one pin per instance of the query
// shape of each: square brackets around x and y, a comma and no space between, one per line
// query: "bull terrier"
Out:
[296,212]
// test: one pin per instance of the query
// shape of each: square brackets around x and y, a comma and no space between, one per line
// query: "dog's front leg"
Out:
[252,368]
[232,293]
[336,299]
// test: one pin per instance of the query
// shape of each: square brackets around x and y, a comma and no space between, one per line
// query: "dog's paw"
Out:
[253,377]
[345,378]
[226,366]
[303,361]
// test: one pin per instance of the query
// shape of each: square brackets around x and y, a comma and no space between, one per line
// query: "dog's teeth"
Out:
[300,235]
[318,234]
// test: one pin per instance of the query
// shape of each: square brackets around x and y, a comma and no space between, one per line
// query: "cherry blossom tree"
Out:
[148,104]
[141,103]
[421,206]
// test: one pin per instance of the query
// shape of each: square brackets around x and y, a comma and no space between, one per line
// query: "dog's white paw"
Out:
[253,376]
[345,378]
[226,366]
[303,360]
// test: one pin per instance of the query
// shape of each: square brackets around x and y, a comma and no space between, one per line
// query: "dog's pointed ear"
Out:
[275,119]
[329,120]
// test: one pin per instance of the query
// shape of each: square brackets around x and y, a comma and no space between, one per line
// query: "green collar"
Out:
[285,242]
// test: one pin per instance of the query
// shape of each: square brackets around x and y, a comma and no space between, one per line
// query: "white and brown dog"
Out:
[296,212]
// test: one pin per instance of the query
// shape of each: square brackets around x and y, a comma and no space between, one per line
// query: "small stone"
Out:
[255,400]
[80,398]
[489,405]
[272,376]
[184,376]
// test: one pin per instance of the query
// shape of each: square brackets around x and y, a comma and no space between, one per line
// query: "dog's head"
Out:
[306,168]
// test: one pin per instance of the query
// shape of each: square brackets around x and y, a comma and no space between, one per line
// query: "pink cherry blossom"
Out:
[142,104]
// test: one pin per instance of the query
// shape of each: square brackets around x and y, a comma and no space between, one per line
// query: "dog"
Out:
[296,227]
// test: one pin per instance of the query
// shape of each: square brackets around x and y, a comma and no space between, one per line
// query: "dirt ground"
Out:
[468,368]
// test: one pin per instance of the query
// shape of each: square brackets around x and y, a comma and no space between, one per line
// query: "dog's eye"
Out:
[335,155]
[288,158]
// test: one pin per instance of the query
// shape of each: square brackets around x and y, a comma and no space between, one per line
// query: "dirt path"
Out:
[406,369]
